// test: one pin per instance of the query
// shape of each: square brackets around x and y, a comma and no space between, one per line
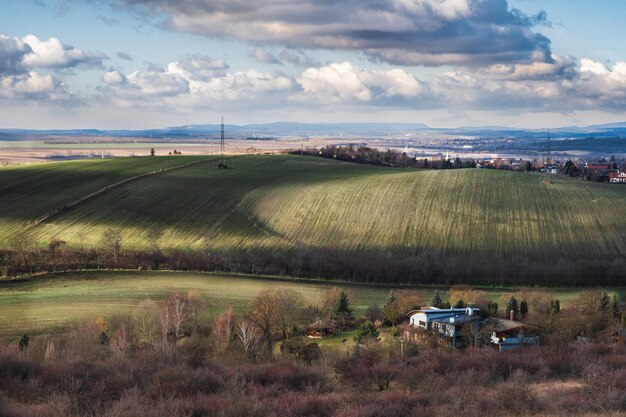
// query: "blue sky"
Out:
[141,64]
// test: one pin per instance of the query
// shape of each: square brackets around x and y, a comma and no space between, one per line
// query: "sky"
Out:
[135,64]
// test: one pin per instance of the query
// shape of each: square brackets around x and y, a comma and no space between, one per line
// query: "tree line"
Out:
[389,157]
[426,267]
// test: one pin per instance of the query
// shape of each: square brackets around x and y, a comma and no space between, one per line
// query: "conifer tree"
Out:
[604,302]
[436,301]
[615,311]
[523,308]
[512,306]
[343,313]
[367,331]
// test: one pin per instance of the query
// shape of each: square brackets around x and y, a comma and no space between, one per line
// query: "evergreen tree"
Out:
[103,339]
[623,320]
[151,151]
[557,306]
[512,306]
[436,301]
[523,308]
[604,302]
[343,313]
[367,331]
[23,343]
[459,304]
[615,311]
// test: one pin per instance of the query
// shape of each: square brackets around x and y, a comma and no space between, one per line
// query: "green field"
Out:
[49,304]
[291,203]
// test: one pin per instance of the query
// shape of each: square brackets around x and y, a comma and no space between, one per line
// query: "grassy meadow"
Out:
[293,203]
[49,304]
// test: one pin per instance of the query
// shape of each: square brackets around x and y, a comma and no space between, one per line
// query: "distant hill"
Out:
[278,129]
[445,223]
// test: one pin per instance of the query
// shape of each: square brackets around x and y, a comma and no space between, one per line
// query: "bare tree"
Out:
[121,342]
[111,243]
[263,313]
[165,321]
[288,308]
[197,303]
[250,337]
[178,307]
[146,322]
[223,328]
[153,236]
[23,243]
[328,301]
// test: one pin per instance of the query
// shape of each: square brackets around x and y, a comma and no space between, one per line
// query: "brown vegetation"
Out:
[161,361]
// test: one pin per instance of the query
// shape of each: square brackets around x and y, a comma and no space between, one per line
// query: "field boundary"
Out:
[64,208]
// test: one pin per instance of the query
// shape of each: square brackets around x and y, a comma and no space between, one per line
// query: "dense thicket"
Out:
[79,375]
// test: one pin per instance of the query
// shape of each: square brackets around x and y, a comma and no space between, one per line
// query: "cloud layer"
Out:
[564,85]
[196,81]
[21,61]
[401,32]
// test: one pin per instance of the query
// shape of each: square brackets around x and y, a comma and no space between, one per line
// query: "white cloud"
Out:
[589,66]
[32,86]
[446,9]
[192,82]
[51,53]
[346,82]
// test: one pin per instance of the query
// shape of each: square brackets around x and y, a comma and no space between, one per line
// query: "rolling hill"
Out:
[290,204]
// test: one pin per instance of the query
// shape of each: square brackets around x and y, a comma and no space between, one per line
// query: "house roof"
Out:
[435,310]
[457,319]
[503,325]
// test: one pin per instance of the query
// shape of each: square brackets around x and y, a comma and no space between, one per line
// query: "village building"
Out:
[509,334]
[550,169]
[449,323]
[459,325]
[600,166]
[320,329]
[617,177]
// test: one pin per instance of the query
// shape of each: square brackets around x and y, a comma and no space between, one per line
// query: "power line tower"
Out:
[548,156]
[222,161]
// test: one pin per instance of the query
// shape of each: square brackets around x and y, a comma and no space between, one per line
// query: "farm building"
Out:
[617,177]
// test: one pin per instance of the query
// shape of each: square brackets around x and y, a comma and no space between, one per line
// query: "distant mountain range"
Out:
[371,130]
